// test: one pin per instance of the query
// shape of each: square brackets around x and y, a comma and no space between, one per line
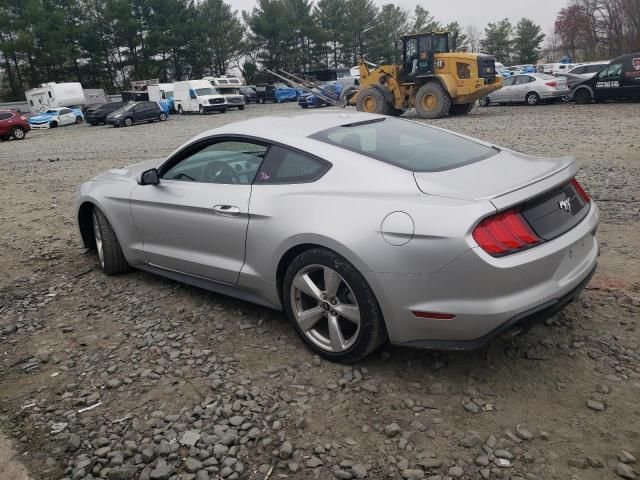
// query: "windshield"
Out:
[409,145]
[230,91]
[52,111]
[206,91]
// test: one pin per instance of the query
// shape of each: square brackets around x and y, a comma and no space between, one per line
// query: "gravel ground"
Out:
[137,377]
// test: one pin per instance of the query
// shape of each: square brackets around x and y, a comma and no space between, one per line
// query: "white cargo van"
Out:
[52,95]
[197,96]
[230,88]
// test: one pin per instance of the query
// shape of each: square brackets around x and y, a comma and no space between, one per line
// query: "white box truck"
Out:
[230,88]
[197,96]
[52,95]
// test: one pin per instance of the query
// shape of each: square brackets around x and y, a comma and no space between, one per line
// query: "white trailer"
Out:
[52,95]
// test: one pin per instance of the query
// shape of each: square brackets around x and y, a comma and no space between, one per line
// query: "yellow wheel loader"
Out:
[431,79]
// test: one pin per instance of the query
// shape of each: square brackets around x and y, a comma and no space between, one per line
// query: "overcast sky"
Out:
[476,12]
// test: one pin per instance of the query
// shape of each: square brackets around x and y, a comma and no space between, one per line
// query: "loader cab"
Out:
[418,52]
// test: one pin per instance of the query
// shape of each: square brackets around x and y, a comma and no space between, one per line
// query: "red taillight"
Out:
[504,233]
[551,84]
[580,191]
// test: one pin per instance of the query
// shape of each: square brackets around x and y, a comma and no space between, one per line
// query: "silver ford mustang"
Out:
[363,228]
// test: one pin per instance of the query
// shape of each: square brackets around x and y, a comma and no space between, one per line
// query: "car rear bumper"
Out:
[555,93]
[488,295]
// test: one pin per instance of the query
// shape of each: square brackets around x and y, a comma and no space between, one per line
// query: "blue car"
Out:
[309,100]
[285,94]
[57,117]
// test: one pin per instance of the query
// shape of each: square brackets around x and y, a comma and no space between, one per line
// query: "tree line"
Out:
[596,29]
[107,43]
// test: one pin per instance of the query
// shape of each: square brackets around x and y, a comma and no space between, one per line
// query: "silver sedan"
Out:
[530,88]
[362,228]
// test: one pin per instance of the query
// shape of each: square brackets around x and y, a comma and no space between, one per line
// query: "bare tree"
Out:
[474,35]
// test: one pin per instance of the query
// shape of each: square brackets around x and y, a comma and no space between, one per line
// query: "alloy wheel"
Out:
[98,236]
[325,308]
[18,134]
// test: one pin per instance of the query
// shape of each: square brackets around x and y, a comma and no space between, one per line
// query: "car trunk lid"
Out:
[540,188]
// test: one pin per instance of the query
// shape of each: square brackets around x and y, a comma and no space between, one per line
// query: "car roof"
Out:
[299,125]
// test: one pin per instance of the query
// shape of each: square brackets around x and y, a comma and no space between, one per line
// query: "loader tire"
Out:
[346,94]
[372,100]
[461,109]
[432,101]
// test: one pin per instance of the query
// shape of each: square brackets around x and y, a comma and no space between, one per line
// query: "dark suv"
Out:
[266,93]
[620,80]
[136,112]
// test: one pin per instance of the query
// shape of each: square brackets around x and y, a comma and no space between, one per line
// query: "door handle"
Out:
[226,210]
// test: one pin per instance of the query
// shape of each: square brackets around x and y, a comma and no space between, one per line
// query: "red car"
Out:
[13,124]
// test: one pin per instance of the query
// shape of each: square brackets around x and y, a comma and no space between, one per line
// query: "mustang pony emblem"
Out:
[565,205]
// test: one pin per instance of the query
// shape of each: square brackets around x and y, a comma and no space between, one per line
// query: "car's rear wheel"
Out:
[484,101]
[582,96]
[18,133]
[180,110]
[78,120]
[332,308]
[532,98]
[127,122]
[112,259]
[162,116]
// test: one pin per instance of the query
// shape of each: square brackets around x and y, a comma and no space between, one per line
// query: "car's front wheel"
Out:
[127,122]
[79,120]
[112,260]
[162,116]
[532,98]
[332,307]
[18,133]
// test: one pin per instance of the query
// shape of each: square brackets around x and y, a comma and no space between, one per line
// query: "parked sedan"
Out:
[136,112]
[57,117]
[362,228]
[13,125]
[531,88]
[98,113]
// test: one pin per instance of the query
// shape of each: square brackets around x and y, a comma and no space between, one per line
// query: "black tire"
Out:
[18,133]
[372,100]
[582,96]
[93,124]
[223,110]
[241,107]
[112,260]
[484,101]
[532,99]
[201,110]
[53,125]
[162,117]
[432,101]
[79,120]
[180,110]
[461,109]
[261,100]
[304,105]
[127,122]
[347,93]
[372,332]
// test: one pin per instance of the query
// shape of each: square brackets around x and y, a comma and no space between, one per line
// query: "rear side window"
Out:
[65,111]
[409,145]
[289,166]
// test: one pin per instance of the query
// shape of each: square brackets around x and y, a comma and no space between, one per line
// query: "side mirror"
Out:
[149,177]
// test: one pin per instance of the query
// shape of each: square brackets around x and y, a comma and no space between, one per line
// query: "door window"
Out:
[508,81]
[289,166]
[614,70]
[65,111]
[5,115]
[228,162]
[522,79]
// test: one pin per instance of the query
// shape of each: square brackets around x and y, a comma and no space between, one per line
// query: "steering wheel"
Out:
[219,172]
